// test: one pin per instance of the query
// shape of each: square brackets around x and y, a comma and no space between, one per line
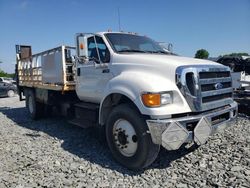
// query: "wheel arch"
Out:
[112,100]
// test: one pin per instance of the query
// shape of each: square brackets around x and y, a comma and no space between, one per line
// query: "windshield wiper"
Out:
[127,50]
[158,52]
[141,51]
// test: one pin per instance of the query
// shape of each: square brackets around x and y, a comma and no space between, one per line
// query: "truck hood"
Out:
[160,60]
[155,64]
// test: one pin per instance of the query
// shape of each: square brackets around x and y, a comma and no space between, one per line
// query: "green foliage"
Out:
[4,74]
[202,54]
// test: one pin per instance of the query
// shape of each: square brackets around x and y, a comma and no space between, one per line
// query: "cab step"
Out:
[86,115]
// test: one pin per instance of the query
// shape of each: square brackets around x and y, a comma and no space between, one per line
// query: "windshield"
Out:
[122,42]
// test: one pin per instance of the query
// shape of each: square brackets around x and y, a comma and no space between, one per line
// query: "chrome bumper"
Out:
[172,133]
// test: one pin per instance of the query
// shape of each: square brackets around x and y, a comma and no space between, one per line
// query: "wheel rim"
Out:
[10,93]
[31,109]
[125,137]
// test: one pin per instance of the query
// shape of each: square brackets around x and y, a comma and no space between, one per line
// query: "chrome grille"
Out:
[205,75]
[205,87]
[210,87]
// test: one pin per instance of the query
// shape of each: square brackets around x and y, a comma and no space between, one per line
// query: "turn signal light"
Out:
[151,99]
[81,46]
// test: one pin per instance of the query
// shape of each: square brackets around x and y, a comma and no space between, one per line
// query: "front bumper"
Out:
[172,133]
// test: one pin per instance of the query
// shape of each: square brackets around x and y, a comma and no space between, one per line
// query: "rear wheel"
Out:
[35,108]
[10,93]
[128,140]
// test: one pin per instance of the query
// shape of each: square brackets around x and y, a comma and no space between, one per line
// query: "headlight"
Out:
[166,98]
[156,99]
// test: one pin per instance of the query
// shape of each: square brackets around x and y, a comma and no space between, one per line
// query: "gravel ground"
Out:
[53,153]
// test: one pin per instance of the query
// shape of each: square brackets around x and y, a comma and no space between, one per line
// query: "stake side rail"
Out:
[52,69]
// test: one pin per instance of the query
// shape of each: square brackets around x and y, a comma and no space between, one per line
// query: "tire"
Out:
[10,93]
[131,147]
[36,109]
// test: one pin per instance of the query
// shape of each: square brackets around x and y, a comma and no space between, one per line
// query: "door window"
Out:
[102,52]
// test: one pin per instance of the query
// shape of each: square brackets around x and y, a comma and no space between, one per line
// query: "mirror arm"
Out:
[101,65]
[82,59]
[95,60]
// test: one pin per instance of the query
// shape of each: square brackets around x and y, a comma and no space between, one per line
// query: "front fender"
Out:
[133,84]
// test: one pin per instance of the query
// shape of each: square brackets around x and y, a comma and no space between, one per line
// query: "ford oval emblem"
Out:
[218,86]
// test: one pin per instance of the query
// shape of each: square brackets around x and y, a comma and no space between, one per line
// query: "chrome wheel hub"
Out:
[125,137]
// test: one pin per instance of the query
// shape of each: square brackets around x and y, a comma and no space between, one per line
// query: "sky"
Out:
[219,26]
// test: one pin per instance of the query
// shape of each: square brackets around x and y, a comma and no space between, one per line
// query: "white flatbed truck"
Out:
[143,96]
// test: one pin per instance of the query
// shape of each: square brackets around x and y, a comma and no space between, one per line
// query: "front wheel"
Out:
[128,138]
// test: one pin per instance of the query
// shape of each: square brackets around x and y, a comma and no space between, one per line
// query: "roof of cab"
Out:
[119,32]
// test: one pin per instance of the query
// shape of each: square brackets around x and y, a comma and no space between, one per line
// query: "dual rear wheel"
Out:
[35,108]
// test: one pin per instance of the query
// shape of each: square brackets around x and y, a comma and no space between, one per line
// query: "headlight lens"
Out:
[156,99]
[166,98]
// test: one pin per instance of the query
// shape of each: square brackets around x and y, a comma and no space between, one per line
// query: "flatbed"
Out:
[51,69]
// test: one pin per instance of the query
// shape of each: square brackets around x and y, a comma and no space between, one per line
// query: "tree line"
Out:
[203,54]
[5,74]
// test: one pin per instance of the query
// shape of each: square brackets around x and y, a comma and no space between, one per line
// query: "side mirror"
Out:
[82,45]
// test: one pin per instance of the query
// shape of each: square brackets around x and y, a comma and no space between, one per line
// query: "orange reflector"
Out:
[81,46]
[151,100]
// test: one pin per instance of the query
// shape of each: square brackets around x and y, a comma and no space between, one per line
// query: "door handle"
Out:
[105,71]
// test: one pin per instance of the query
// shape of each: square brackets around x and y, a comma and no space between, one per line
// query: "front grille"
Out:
[205,75]
[211,87]
[205,87]
[215,86]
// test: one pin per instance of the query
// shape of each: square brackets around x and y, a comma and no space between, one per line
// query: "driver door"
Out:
[93,74]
